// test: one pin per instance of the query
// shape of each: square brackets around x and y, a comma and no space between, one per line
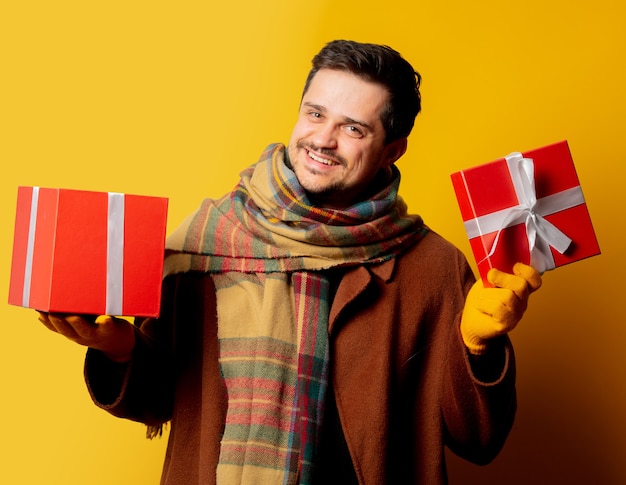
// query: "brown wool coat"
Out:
[404,384]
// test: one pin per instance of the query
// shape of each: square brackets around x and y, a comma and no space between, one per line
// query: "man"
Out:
[311,330]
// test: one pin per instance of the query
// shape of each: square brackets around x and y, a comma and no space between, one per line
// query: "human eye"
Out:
[355,131]
[314,115]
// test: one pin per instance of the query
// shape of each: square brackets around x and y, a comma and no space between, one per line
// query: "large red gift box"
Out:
[85,252]
[527,207]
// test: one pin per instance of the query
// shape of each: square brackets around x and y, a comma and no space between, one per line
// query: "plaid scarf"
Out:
[265,244]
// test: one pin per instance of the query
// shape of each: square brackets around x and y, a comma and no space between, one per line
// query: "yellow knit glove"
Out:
[491,312]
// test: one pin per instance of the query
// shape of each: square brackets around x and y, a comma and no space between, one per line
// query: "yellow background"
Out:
[175,98]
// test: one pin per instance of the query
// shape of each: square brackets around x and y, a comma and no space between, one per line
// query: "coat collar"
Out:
[354,282]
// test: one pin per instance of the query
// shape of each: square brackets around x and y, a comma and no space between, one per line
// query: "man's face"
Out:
[337,145]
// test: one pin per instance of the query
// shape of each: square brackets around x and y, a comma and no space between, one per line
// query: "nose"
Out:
[326,136]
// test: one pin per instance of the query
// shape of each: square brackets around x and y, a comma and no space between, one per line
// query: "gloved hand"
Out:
[113,336]
[491,312]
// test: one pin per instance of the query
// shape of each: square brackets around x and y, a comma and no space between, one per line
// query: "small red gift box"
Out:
[527,207]
[84,252]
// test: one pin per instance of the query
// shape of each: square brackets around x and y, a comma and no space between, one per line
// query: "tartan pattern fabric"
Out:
[275,375]
[265,244]
[312,309]
[259,374]
[267,224]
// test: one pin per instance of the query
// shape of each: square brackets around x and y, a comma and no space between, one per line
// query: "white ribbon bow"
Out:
[541,233]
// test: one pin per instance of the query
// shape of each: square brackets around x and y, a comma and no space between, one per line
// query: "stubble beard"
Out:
[320,193]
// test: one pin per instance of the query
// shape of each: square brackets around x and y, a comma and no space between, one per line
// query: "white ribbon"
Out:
[30,247]
[541,233]
[115,254]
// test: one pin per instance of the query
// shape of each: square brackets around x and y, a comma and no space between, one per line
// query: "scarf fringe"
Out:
[154,431]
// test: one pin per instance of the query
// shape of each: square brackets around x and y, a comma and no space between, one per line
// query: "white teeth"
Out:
[321,160]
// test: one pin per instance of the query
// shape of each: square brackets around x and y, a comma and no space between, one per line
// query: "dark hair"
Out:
[383,65]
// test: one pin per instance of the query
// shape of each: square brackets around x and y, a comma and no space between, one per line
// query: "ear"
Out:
[393,151]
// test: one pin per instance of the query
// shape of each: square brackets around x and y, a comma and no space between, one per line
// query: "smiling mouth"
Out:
[317,158]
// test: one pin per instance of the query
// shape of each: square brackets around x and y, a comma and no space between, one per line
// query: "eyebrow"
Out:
[346,119]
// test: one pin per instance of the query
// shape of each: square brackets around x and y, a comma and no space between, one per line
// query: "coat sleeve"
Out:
[478,394]
[167,356]
[141,390]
